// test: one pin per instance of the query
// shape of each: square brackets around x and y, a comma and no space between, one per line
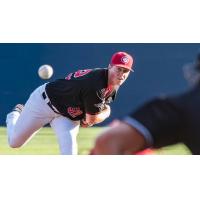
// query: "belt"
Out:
[45,97]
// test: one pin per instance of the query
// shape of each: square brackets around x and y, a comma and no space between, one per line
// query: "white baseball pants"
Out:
[36,114]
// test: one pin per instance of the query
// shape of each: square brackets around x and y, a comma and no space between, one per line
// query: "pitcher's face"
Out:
[117,75]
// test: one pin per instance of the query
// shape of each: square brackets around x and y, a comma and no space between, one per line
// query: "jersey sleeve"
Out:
[94,103]
[162,119]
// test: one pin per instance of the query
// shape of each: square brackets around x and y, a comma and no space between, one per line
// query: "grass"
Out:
[45,143]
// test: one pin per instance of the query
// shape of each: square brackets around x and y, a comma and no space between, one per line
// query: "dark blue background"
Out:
[158,70]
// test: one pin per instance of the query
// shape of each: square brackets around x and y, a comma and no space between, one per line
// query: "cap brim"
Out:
[125,67]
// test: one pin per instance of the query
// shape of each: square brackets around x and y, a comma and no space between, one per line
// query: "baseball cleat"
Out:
[18,108]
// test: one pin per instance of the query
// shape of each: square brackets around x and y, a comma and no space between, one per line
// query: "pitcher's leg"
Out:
[66,132]
[35,114]
[20,127]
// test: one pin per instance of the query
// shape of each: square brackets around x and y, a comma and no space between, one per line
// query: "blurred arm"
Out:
[121,139]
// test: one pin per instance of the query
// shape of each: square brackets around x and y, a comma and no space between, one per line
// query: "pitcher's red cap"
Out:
[122,59]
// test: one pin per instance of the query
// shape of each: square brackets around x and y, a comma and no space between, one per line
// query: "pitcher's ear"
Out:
[109,66]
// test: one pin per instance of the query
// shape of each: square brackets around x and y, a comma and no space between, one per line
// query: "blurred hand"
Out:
[84,124]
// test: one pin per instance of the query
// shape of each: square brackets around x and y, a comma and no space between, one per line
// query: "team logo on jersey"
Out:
[78,74]
[74,111]
[125,59]
[69,76]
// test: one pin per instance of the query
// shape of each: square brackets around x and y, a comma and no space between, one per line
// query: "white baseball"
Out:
[45,71]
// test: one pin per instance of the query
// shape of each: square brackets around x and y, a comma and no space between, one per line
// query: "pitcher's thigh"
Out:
[27,124]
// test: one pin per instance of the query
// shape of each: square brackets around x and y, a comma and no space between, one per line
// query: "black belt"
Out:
[49,103]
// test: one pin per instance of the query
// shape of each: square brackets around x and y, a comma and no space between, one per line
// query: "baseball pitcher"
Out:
[81,99]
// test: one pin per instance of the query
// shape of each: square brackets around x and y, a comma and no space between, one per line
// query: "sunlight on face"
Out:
[117,74]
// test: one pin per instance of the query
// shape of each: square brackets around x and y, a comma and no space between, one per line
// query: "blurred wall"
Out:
[158,70]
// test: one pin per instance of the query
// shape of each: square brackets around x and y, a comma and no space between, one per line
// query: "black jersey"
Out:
[173,119]
[81,92]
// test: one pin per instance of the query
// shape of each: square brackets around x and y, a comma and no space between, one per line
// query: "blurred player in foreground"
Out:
[80,99]
[158,123]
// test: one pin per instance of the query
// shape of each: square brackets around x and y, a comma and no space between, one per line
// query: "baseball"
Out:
[45,71]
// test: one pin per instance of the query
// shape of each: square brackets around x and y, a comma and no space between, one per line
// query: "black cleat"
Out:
[18,108]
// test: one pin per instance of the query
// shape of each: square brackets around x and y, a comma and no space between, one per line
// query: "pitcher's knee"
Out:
[14,143]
